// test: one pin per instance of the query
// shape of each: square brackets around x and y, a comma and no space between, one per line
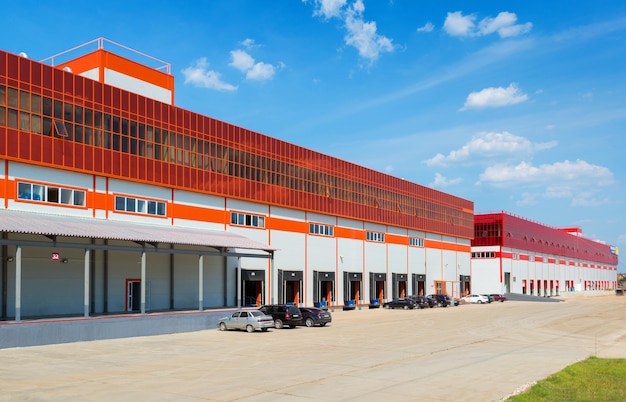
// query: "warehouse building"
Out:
[114,200]
[511,254]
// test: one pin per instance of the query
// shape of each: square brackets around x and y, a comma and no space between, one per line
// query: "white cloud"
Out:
[329,8]
[428,27]
[442,181]
[199,75]
[570,175]
[494,97]
[490,145]
[260,71]
[245,63]
[363,36]
[248,43]
[457,24]
[241,60]
[504,24]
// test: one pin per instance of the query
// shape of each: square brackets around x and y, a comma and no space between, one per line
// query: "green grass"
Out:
[590,380]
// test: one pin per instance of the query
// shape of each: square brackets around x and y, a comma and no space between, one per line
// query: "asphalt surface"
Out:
[468,352]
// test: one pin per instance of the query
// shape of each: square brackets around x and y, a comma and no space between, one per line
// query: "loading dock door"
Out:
[252,287]
[377,287]
[465,285]
[352,286]
[323,287]
[399,285]
[419,284]
[290,287]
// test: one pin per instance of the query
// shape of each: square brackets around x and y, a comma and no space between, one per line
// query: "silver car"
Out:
[250,320]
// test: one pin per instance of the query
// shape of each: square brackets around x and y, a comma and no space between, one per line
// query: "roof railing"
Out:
[100,42]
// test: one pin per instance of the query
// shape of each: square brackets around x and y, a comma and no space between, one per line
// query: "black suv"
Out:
[440,300]
[423,301]
[283,314]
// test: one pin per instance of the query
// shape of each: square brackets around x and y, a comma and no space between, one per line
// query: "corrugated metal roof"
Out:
[72,226]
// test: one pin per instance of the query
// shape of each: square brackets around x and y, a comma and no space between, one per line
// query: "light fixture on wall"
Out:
[10,259]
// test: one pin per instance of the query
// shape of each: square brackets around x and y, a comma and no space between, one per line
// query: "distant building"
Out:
[511,254]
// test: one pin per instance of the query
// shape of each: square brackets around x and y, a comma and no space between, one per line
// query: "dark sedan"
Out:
[498,297]
[312,316]
[400,303]
[422,301]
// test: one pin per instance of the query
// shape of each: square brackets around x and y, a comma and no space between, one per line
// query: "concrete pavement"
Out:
[469,352]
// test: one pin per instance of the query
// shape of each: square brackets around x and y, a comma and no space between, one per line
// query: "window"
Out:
[139,205]
[375,236]
[240,219]
[322,230]
[50,194]
[484,254]
[416,242]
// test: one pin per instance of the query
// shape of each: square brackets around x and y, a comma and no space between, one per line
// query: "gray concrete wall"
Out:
[34,333]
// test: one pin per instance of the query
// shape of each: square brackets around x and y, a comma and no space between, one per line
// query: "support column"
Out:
[18,283]
[271,280]
[86,285]
[238,282]
[200,282]
[143,282]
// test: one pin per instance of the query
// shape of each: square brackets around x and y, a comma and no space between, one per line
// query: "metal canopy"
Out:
[50,225]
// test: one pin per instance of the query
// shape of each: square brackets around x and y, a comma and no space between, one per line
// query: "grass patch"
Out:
[592,379]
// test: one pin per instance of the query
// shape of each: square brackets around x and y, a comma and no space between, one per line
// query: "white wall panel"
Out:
[397,231]
[93,74]
[318,218]
[375,257]
[199,200]
[349,223]
[417,260]
[214,282]
[139,190]
[245,206]
[322,253]
[291,254]
[485,277]
[137,86]
[397,259]
[186,281]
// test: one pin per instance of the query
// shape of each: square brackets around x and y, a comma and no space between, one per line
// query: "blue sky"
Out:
[518,107]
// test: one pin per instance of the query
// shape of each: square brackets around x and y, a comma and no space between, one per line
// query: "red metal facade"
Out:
[52,117]
[506,230]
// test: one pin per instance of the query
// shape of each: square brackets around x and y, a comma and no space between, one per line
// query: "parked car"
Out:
[283,314]
[250,320]
[441,300]
[489,298]
[455,302]
[480,299]
[498,297]
[404,303]
[312,316]
[422,301]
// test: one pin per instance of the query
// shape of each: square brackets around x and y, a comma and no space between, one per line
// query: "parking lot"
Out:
[469,352]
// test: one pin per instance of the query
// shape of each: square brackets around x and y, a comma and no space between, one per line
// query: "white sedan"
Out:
[250,320]
[480,299]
